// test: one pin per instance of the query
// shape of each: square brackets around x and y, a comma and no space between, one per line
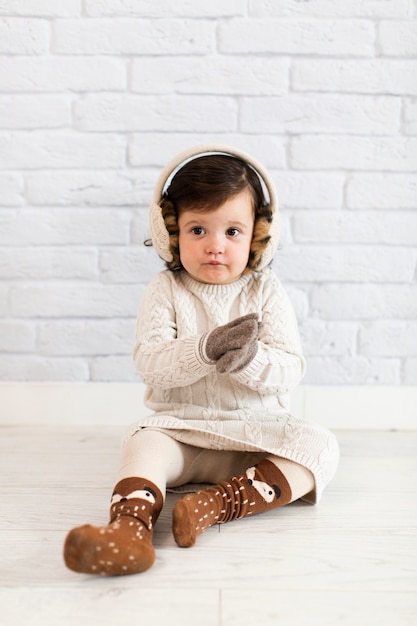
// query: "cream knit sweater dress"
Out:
[246,411]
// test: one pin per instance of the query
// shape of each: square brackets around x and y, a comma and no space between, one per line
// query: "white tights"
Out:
[168,463]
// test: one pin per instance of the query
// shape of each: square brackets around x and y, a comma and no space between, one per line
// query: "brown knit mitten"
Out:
[259,489]
[234,345]
[124,546]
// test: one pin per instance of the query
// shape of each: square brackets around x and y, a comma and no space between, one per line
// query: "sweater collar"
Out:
[209,289]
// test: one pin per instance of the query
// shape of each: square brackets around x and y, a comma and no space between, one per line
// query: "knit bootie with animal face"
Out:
[259,489]
[124,546]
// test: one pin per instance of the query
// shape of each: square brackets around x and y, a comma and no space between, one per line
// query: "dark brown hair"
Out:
[205,183]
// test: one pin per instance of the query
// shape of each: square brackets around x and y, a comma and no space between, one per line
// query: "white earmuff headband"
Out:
[159,233]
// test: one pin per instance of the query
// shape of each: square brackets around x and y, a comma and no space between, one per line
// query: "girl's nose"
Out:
[214,245]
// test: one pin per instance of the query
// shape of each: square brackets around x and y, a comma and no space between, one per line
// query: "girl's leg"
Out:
[271,483]
[124,546]
[300,479]
[155,455]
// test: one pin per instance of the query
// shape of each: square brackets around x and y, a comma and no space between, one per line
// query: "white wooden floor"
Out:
[352,560]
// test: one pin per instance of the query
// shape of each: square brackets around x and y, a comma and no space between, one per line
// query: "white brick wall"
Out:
[96,96]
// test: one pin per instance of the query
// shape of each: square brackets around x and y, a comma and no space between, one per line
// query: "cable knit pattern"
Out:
[247,410]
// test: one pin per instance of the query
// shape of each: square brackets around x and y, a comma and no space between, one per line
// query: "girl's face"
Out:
[215,245]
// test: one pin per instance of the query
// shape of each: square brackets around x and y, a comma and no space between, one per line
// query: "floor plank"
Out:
[108,607]
[323,608]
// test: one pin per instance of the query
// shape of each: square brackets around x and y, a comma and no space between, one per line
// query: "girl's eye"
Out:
[197,230]
[232,232]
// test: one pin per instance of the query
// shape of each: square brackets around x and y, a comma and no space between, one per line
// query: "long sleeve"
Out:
[279,364]
[163,358]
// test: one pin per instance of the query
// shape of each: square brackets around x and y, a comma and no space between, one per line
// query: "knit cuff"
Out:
[201,348]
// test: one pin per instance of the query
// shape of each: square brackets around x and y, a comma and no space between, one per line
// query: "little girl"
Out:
[218,348]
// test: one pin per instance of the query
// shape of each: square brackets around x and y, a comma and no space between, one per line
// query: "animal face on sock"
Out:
[268,492]
[146,493]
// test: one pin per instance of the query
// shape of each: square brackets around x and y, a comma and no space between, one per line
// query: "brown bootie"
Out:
[259,489]
[124,546]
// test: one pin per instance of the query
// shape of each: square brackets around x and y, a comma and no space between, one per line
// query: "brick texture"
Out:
[97,95]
